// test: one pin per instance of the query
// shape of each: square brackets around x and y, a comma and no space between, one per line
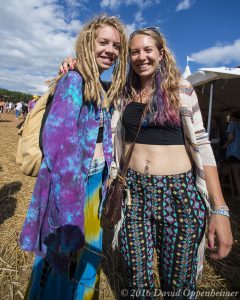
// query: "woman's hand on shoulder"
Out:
[220,228]
[67,64]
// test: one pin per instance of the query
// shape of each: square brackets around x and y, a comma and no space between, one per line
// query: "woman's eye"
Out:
[117,47]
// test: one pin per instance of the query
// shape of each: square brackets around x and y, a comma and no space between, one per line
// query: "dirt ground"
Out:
[15,265]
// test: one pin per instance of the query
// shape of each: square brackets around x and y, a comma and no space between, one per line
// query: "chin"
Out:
[105,67]
[143,74]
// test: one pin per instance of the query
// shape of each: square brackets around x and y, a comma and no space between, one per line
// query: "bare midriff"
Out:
[159,160]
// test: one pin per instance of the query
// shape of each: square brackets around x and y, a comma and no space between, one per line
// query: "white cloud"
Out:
[35,37]
[115,4]
[111,4]
[185,4]
[23,82]
[130,28]
[142,3]
[138,17]
[219,54]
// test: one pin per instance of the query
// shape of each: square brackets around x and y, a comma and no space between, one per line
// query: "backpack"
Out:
[29,150]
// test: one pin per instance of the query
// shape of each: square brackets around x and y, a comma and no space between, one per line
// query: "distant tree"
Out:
[15,96]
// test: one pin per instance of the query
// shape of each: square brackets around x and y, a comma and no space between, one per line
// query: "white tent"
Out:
[218,89]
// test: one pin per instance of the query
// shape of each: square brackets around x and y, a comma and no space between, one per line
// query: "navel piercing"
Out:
[146,168]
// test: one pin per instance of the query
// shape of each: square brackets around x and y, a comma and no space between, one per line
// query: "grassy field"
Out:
[15,265]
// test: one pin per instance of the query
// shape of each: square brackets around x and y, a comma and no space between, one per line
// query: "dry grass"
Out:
[15,265]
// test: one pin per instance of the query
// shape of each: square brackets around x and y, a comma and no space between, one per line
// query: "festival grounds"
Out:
[220,280]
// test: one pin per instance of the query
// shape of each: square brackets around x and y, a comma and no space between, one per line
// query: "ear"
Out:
[161,54]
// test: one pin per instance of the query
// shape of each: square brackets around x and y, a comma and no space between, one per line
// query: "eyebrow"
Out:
[146,47]
[107,40]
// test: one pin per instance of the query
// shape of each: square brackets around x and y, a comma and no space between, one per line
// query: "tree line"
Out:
[14,96]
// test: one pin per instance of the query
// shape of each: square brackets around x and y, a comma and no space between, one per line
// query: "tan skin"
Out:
[107,47]
[145,58]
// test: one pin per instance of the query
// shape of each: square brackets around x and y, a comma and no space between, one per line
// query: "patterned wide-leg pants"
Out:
[167,213]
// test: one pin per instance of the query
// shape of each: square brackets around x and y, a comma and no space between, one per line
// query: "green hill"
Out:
[14,96]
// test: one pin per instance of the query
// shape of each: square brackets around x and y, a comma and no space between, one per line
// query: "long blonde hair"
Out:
[165,85]
[87,65]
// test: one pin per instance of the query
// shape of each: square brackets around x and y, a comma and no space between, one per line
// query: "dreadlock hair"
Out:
[163,107]
[87,65]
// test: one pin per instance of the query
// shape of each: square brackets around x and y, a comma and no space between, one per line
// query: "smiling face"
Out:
[107,47]
[145,56]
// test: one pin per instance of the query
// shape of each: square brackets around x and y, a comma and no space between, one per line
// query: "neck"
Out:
[146,83]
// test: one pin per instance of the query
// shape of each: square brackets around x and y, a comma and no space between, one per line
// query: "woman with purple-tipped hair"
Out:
[172,175]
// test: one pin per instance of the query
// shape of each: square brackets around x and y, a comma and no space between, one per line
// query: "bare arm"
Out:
[219,225]
[213,185]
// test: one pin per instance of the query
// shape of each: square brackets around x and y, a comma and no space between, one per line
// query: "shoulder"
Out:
[185,87]
[70,85]
[71,79]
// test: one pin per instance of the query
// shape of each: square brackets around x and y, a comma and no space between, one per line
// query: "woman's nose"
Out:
[141,55]
[109,48]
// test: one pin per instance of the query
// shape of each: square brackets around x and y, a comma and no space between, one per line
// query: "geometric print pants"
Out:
[167,214]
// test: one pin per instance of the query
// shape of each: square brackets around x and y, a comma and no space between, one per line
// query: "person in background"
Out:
[32,102]
[216,138]
[232,147]
[1,107]
[24,109]
[9,107]
[18,109]
[62,226]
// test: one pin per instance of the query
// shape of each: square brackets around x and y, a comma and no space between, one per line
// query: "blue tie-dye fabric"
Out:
[69,141]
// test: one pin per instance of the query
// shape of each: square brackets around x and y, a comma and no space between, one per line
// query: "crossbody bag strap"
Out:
[130,150]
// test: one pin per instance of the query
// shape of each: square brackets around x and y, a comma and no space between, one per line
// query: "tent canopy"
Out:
[226,88]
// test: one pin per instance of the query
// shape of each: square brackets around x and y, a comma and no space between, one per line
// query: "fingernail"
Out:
[210,245]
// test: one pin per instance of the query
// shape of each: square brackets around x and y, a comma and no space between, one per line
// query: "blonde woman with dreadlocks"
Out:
[62,225]
[172,175]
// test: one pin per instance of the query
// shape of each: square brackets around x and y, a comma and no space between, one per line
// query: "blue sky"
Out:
[37,34]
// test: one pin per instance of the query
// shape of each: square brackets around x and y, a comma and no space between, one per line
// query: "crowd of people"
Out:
[6,106]
[175,198]
[19,108]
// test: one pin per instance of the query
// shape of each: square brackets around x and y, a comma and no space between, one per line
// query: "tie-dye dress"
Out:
[62,225]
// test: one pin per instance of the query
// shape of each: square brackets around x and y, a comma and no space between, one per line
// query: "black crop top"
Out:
[152,134]
[106,86]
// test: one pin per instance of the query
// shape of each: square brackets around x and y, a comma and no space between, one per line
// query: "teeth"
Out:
[143,66]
